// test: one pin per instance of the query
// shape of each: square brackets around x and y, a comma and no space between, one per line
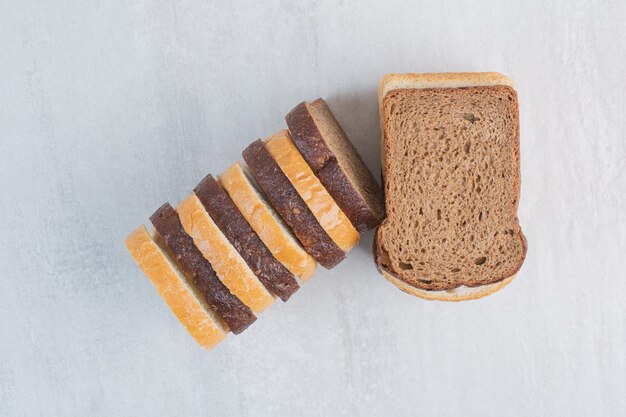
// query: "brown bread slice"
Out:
[236,314]
[292,208]
[451,171]
[332,219]
[334,160]
[272,274]
[228,264]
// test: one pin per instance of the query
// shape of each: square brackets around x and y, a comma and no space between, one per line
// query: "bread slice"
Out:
[236,314]
[291,206]
[332,157]
[450,154]
[229,266]
[267,223]
[324,208]
[274,276]
[187,304]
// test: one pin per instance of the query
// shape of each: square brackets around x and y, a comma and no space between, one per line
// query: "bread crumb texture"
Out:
[451,187]
[357,173]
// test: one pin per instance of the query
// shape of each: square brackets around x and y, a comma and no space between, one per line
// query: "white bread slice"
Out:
[332,219]
[267,223]
[441,80]
[392,82]
[179,294]
[229,266]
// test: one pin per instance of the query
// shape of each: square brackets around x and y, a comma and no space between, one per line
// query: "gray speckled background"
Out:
[108,108]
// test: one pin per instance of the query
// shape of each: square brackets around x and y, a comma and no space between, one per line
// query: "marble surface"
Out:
[109,108]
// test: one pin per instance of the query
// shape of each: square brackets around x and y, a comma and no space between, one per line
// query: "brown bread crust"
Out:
[310,142]
[235,313]
[291,206]
[272,274]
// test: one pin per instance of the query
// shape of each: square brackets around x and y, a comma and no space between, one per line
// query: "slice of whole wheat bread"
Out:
[235,313]
[334,160]
[272,274]
[450,151]
[290,205]
[332,219]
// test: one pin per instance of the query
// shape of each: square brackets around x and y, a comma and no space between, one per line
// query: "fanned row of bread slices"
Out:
[258,230]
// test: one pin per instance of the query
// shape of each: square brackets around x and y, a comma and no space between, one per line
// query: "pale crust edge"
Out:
[458,294]
[441,80]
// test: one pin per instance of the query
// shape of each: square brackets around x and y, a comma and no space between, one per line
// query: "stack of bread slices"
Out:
[451,179]
[257,231]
